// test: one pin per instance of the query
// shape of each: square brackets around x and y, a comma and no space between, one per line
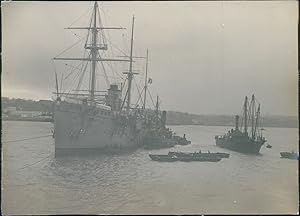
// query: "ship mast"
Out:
[94,52]
[245,115]
[252,115]
[130,74]
[94,48]
[256,120]
[146,82]
[156,110]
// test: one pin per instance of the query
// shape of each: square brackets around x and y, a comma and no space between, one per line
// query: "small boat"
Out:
[289,155]
[269,146]
[164,158]
[203,154]
[199,158]
[183,157]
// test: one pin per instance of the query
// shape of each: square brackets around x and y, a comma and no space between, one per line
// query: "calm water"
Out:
[34,182]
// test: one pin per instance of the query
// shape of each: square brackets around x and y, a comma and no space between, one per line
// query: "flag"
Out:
[149,80]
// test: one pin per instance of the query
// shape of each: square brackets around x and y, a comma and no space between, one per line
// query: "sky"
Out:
[204,57]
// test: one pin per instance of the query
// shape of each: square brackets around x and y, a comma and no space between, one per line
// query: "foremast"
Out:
[251,115]
[94,52]
[94,48]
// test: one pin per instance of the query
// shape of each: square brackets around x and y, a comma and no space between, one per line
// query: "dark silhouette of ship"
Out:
[290,155]
[202,154]
[239,139]
[185,157]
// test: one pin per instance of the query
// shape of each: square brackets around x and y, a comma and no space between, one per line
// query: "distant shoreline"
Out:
[224,125]
[174,124]
[27,119]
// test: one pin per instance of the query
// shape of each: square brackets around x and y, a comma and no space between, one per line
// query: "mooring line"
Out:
[27,139]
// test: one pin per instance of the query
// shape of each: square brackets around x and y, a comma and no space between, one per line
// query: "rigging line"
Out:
[90,78]
[69,47]
[137,87]
[70,81]
[112,53]
[101,25]
[61,81]
[151,98]
[123,85]
[108,39]
[74,68]
[111,67]
[29,165]
[105,74]
[73,81]
[31,138]
[55,72]
[140,97]
[78,72]
[82,71]
[104,71]
[81,16]
[81,77]
[115,46]
[114,72]
[124,99]
[87,38]
[126,47]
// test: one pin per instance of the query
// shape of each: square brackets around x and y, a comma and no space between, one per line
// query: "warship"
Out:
[90,119]
[239,139]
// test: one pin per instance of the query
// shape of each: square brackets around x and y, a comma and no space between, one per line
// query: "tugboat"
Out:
[290,155]
[159,136]
[238,139]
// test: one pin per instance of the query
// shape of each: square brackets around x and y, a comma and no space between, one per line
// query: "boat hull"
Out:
[79,127]
[289,155]
[186,158]
[201,154]
[247,146]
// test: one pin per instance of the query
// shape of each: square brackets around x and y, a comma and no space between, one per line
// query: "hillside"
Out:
[179,118]
[173,118]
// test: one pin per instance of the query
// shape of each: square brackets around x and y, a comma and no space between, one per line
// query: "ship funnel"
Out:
[236,122]
[164,118]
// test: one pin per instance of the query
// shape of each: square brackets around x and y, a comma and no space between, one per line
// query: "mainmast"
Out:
[257,118]
[156,110]
[252,115]
[94,52]
[245,115]
[130,74]
[146,82]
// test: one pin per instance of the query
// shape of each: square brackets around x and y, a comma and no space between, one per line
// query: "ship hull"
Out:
[243,146]
[289,155]
[82,128]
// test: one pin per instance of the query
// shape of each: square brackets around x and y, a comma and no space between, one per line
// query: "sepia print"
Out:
[129,107]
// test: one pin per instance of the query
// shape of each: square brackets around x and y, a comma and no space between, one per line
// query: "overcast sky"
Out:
[205,57]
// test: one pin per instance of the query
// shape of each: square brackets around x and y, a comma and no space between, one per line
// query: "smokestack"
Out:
[164,118]
[236,122]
